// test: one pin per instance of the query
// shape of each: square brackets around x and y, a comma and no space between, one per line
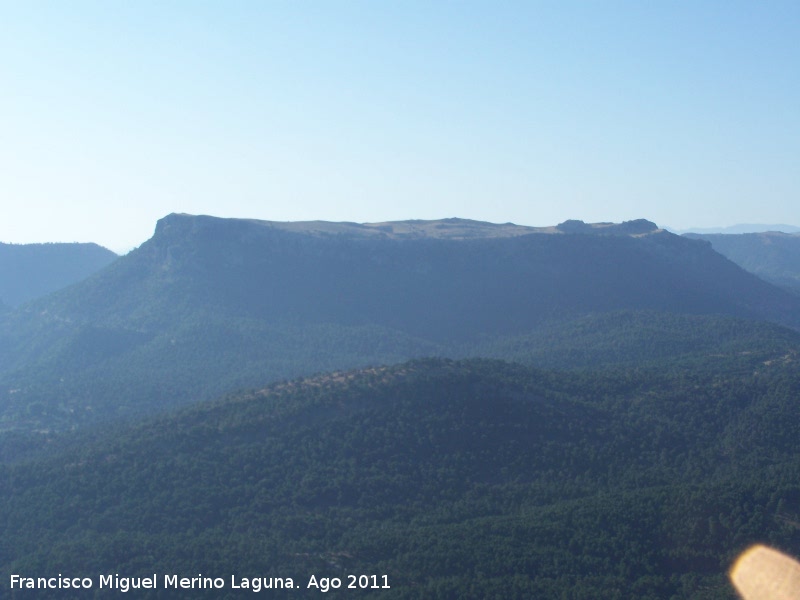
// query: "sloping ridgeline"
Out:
[475,479]
[29,271]
[773,256]
[209,305]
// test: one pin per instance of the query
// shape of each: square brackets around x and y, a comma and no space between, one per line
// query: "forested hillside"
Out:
[476,479]
[642,338]
[660,441]
[209,305]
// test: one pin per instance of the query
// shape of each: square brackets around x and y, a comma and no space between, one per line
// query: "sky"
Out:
[116,113]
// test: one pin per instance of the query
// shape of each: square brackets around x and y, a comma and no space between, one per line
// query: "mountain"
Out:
[435,280]
[28,271]
[740,228]
[773,256]
[442,479]
[208,305]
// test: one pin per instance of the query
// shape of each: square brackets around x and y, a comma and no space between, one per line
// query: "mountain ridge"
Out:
[218,256]
[773,256]
[29,271]
[739,228]
[208,305]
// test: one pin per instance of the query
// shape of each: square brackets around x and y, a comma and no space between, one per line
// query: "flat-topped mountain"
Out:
[28,271]
[209,304]
[437,279]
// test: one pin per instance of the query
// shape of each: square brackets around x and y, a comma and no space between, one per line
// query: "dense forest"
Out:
[472,479]
[446,409]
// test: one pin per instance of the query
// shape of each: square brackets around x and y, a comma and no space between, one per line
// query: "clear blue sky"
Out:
[114,114]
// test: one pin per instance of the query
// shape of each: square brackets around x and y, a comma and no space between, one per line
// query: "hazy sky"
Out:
[114,114]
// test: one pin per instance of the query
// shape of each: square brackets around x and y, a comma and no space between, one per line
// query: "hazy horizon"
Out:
[526,112]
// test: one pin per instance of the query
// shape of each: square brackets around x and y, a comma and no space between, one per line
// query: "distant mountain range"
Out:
[209,305]
[28,271]
[740,228]
[772,256]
